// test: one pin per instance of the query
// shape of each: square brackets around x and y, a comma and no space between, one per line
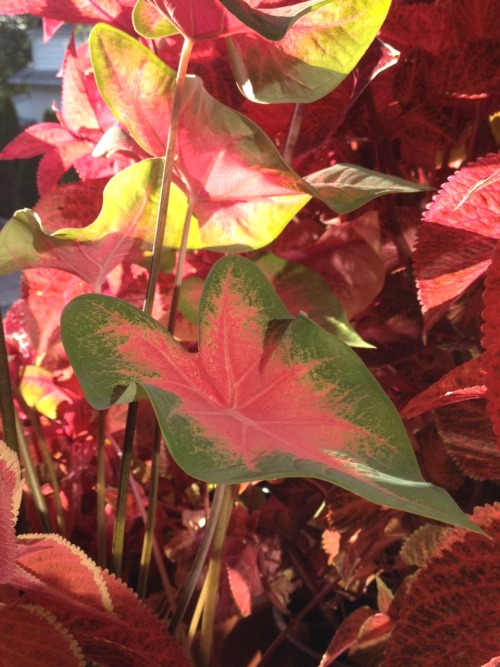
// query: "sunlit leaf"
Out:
[266,396]
[314,56]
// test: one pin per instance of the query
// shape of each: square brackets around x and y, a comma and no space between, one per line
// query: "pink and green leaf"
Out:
[266,396]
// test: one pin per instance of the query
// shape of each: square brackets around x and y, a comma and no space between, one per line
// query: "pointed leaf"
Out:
[258,193]
[31,636]
[460,384]
[10,501]
[346,187]
[266,396]
[314,56]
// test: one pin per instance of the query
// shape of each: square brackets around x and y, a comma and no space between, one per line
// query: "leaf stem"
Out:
[101,488]
[168,167]
[293,133]
[147,545]
[7,409]
[121,503]
[200,558]
[213,578]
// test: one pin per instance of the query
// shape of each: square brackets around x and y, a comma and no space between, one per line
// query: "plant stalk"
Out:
[161,220]
[200,558]
[101,488]
[293,133]
[213,577]
[7,409]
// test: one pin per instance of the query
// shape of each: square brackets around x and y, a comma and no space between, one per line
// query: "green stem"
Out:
[32,479]
[200,558]
[101,488]
[147,545]
[161,220]
[213,578]
[168,167]
[7,409]
[121,503]
[34,420]
[293,133]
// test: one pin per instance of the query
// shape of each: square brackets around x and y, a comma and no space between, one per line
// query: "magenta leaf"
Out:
[266,396]
[72,11]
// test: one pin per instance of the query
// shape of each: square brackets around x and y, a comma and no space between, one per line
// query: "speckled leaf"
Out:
[266,396]
[148,21]
[301,290]
[314,56]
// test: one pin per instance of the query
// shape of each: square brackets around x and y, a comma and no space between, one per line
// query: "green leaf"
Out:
[149,23]
[266,396]
[346,187]
[317,52]
[123,230]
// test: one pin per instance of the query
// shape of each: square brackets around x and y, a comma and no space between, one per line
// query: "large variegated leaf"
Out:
[266,396]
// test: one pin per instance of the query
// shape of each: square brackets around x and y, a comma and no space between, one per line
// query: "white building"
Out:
[43,87]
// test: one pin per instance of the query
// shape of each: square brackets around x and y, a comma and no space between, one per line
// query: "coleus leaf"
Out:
[72,11]
[491,355]
[31,636]
[10,501]
[458,234]
[266,396]
[460,384]
[458,588]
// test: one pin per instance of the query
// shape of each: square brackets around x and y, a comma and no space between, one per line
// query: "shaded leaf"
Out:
[346,635]
[462,383]
[453,603]
[31,636]
[421,544]
[10,501]
[491,356]
[229,412]
[346,187]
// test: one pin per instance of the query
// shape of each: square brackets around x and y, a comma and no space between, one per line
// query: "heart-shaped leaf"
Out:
[266,396]
[317,52]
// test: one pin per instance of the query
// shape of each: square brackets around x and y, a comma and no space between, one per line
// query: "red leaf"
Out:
[31,636]
[10,500]
[116,12]
[346,635]
[491,356]
[35,140]
[451,614]
[464,382]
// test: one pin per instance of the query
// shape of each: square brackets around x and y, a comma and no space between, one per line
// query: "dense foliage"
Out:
[318,340]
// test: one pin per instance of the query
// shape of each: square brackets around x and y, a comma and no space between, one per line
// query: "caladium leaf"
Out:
[346,187]
[123,230]
[300,289]
[314,56]
[72,11]
[266,396]
[149,22]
